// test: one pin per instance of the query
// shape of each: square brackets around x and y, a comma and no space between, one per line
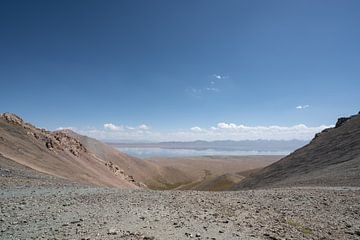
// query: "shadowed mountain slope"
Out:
[332,158]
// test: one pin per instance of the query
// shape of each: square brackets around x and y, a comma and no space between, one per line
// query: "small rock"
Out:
[112,231]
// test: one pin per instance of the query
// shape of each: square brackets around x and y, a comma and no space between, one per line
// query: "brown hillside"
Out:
[68,155]
[57,154]
[78,158]
[332,158]
[204,171]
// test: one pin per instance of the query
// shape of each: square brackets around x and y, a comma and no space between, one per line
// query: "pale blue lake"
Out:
[165,152]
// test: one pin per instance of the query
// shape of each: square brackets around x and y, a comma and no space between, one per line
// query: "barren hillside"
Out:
[213,172]
[59,154]
[68,155]
[332,158]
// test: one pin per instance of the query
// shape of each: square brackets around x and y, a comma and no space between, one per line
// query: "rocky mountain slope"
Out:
[149,173]
[332,158]
[26,151]
[60,154]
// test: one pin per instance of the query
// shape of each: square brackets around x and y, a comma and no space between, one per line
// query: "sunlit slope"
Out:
[57,154]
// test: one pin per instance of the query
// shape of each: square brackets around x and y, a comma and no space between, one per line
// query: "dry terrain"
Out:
[332,158]
[38,206]
[75,212]
[60,185]
[213,172]
[66,154]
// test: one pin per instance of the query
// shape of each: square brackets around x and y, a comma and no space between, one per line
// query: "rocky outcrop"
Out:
[66,142]
[12,118]
[54,141]
[341,121]
[120,172]
[114,168]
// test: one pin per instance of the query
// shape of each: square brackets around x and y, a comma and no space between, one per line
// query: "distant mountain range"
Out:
[227,145]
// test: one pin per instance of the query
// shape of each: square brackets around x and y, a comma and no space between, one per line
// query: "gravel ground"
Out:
[77,212]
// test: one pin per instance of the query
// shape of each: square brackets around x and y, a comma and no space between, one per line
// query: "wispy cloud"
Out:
[196,129]
[144,127]
[64,128]
[199,92]
[195,92]
[212,89]
[117,128]
[113,127]
[220,131]
[302,107]
[218,76]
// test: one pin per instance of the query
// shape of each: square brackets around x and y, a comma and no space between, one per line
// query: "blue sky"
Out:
[177,65]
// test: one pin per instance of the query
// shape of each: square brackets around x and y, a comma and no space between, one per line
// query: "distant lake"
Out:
[166,152]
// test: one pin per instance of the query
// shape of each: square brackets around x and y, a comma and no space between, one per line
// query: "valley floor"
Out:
[78,212]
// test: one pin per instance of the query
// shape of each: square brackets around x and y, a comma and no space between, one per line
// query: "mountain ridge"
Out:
[332,158]
[56,153]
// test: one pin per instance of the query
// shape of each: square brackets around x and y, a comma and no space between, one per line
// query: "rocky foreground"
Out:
[77,212]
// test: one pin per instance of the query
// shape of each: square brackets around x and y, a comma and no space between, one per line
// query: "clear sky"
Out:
[181,69]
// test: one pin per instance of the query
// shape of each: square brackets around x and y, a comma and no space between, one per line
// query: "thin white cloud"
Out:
[196,129]
[218,76]
[195,92]
[144,127]
[64,128]
[212,89]
[199,92]
[233,131]
[302,107]
[220,131]
[113,127]
[223,125]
